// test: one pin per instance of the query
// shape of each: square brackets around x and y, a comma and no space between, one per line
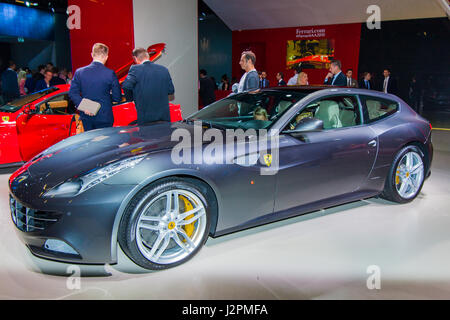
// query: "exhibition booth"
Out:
[307,191]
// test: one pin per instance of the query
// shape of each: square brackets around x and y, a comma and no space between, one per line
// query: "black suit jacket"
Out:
[10,86]
[97,83]
[207,91]
[362,85]
[341,80]
[392,85]
[149,85]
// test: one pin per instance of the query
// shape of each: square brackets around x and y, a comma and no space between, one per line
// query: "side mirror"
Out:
[29,110]
[307,125]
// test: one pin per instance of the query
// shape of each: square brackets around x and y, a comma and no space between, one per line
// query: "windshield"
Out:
[248,110]
[15,105]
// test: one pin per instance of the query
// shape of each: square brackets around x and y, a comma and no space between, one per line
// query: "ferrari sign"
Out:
[5,119]
[268,159]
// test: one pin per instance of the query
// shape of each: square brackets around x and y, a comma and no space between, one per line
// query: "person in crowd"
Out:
[280,79]
[263,82]
[366,82]
[293,80]
[56,80]
[350,81]
[260,114]
[302,79]
[224,83]
[206,90]
[69,77]
[39,75]
[389,84]
[415,93]
[49,66]
[250,79]
[29,82]
[46,82]
[216,87]
[21,79]
[63,74]
[97,83]
[10,84]
[335,77]
[150,86]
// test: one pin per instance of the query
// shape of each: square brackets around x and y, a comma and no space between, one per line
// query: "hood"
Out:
[87,151]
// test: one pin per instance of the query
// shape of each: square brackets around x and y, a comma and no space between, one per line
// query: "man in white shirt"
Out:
[293,81]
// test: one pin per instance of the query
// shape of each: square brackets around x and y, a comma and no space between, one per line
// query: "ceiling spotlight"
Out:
[27,3]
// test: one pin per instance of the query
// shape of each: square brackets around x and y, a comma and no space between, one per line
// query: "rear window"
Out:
[378,108]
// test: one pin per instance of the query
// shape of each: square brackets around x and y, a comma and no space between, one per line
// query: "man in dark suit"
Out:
[56,80]
[206,88]
[389,85]
[366,82]
[10,85]
[280,79]
[97,83]
[151,88]
[352,83]
[335,77]
[44,83]
[263,82]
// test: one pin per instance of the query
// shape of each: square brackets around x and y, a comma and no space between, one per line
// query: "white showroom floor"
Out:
[323,255]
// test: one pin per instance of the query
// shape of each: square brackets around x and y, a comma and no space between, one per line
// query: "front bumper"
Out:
[73,230]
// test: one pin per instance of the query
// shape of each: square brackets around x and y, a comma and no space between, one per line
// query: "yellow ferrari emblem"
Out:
[5,118]
[171,225]
[268,159]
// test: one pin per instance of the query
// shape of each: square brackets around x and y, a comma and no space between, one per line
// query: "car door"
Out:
[51,123]
[320,165]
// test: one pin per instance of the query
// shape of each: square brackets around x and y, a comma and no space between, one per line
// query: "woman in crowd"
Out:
[302,79]
[224,83]
[22,78]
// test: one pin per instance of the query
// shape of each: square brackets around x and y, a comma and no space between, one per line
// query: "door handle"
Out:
[372,143]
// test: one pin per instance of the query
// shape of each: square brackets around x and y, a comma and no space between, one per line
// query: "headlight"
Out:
[75,186]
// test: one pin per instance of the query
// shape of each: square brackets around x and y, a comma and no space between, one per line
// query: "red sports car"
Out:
[34,122]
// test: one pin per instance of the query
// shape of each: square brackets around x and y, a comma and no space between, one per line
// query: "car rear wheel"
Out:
[166,224]
[406,175]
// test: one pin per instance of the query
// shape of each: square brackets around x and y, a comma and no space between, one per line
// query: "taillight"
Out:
[431,128]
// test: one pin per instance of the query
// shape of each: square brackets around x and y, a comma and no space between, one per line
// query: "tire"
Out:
[156,238]
[406,175]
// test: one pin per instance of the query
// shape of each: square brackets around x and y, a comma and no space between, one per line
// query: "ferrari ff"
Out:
[83,197]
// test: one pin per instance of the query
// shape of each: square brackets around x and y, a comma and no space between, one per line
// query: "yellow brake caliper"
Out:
[188,228]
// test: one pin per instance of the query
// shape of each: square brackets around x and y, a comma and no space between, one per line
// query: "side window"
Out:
[60,104]
[378,108]
[335,112]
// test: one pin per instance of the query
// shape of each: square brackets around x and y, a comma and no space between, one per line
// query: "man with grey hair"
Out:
[250,79]
[151,88]
[335,77]
[99,84]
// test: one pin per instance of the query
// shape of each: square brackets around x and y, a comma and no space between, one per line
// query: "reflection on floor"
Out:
[325,255]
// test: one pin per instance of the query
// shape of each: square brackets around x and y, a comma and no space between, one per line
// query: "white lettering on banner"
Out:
[310,33]
[74,19]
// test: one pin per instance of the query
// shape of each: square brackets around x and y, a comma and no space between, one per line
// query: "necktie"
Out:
[385,85]
[348,82]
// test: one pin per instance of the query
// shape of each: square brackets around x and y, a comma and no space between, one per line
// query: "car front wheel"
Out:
[406,175]
[166,224]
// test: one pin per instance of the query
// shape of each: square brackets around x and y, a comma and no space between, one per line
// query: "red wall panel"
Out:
[346,38]
[109,22]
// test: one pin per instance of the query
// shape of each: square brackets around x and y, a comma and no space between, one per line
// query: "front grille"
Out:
[29,220]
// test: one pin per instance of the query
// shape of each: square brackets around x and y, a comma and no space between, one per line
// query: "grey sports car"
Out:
[159,191]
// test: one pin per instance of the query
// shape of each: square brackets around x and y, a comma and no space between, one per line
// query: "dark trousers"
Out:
[91,125]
